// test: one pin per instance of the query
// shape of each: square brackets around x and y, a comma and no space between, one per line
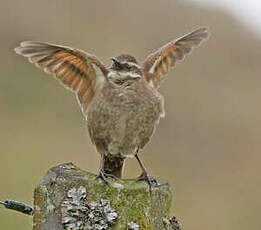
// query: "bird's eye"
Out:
[127,66]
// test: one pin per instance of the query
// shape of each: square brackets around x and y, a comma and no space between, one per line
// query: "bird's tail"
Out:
[113,164]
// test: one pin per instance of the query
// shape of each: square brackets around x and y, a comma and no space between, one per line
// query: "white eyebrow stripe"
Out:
[130,74]
[131,64]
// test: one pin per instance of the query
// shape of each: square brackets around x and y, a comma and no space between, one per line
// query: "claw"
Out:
[104,177]
[150,180]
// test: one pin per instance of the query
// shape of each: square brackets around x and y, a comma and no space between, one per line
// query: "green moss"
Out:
[132,200]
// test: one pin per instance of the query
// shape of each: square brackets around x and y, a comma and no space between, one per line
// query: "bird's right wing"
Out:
[79,71]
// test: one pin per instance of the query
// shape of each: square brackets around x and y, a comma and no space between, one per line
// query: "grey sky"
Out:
[248,11]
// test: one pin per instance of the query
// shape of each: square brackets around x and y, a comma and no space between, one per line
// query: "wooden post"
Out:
[70,198]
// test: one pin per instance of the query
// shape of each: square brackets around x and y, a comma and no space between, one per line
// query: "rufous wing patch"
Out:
[75,69]
[158,64]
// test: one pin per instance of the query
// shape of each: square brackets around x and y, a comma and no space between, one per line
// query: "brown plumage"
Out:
[121,103]
[158,63]
[72,67]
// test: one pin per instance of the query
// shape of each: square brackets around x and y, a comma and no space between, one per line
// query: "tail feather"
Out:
[113,164]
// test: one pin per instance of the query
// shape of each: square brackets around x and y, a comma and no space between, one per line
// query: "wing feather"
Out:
[74,68]
[157,64]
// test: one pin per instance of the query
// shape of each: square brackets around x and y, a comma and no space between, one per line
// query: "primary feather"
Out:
[76,69]
[157,64]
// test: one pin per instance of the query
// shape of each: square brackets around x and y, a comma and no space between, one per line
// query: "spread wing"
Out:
[157,64]
[77,70]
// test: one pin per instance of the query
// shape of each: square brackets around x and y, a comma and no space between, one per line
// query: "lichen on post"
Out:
[70,198]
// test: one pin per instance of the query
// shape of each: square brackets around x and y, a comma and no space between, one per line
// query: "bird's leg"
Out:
[102,175]
[144,175]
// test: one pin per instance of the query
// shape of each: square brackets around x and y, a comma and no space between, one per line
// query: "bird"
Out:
[121,103]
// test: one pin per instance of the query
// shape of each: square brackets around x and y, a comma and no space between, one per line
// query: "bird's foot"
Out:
[150,180]
[104,177]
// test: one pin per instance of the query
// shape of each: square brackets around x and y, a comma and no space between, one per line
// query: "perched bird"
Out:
[121,103]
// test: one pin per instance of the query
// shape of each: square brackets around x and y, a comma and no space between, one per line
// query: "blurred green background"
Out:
[208,146]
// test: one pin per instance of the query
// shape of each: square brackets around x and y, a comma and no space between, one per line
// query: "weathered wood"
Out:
[70,198]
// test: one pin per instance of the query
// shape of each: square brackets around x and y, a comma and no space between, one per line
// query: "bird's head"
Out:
[124,70]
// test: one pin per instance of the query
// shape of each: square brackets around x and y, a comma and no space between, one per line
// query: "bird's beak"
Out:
[116,61]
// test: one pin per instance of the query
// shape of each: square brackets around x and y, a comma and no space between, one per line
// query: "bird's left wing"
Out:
[157,64]
[79,71]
